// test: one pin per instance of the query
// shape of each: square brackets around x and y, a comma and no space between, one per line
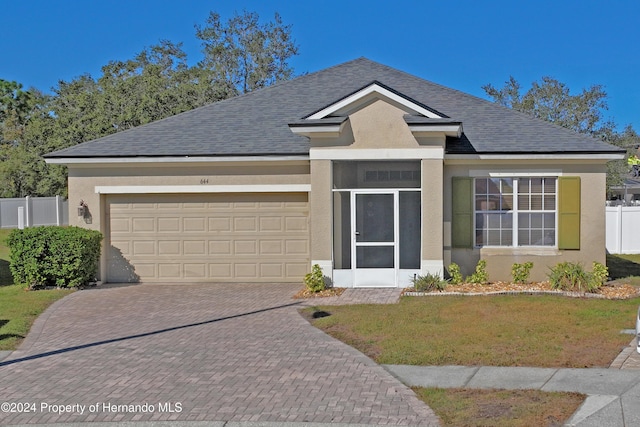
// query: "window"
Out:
[515,211]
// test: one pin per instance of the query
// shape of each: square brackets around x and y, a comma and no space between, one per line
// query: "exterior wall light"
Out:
[82,208]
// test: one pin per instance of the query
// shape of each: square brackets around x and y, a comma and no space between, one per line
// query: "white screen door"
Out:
[375,225]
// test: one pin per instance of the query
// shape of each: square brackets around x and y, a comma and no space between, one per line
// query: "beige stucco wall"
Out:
[83,181]
[432,186]
[381,125]
[500,260]
[320,207]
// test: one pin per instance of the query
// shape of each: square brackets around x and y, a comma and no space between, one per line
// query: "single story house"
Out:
[372,173]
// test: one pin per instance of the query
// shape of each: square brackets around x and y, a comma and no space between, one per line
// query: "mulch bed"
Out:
[329,292]
[611,290]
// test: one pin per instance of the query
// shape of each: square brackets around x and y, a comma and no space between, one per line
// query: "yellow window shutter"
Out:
[462,212]
[569,212]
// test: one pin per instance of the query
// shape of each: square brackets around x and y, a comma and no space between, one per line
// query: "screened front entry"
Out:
[376,229]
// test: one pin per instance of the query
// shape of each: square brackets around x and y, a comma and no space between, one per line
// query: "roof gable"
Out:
[367,95]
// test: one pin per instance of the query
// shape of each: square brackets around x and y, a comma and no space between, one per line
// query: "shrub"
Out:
[480,276]
[599,275]
[54,256]
[315,281]
[571,276]
[454,272]
[428,282]
[520,272]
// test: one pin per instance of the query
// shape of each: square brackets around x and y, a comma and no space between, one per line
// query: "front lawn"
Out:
[513,330]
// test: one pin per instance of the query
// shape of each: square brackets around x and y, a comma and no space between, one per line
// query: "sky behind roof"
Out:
[463,44]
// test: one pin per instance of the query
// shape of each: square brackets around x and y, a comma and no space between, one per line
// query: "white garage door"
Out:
[195,238]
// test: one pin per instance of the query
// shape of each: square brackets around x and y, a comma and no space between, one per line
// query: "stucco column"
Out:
[432,216]
[320,206]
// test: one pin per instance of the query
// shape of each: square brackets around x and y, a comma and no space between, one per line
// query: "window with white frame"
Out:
[515,211]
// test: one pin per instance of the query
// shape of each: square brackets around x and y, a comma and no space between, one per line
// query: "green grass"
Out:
[5,273]
[19,308]
[514,330]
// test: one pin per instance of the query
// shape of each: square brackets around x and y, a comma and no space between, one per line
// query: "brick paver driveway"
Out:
[195,352]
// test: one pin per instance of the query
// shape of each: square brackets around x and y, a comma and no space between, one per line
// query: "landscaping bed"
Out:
[610,290]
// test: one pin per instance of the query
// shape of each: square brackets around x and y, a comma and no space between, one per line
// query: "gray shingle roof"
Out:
[257,123]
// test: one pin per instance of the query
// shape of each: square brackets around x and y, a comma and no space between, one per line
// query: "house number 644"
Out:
[204,181]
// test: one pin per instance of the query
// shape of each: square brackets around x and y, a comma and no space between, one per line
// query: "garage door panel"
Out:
[273,270]
[194,224]
[221,271]
[121,225]
[169,247]
[144,269]
[296,224]
[296,269]
[142,224]
[245,271]
[169,270]
[271,247]
[195,247]
[245,224]
[220,224]
[168,225]
[198,271]
[222,237]
[220,247]
[271,223]
[191,205]
[167,206]
[144,247]
[245,247]
[297,247]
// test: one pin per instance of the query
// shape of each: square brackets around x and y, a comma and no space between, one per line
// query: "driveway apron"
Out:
[204,352]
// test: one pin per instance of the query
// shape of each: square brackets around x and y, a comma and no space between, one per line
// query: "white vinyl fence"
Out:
[32,211]
[623,229]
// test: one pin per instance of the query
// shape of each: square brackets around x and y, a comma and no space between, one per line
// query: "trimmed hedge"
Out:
[54,256]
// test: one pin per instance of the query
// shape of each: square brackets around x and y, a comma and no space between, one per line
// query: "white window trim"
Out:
[515,212]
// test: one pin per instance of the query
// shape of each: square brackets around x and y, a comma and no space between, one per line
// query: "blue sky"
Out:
[462,44]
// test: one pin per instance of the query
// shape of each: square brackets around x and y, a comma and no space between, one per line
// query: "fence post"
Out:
[619,231]
[20,218]
[27,211]
[58,211]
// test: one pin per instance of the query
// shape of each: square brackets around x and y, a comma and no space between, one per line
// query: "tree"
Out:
[240,56]
[618,169]
[14,109]
[243,55]
[25,127]
[551,100]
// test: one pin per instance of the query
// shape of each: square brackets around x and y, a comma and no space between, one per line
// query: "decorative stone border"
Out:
[561,293]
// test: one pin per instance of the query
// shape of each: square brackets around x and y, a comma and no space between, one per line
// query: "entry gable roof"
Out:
[369,93]
[257,123]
